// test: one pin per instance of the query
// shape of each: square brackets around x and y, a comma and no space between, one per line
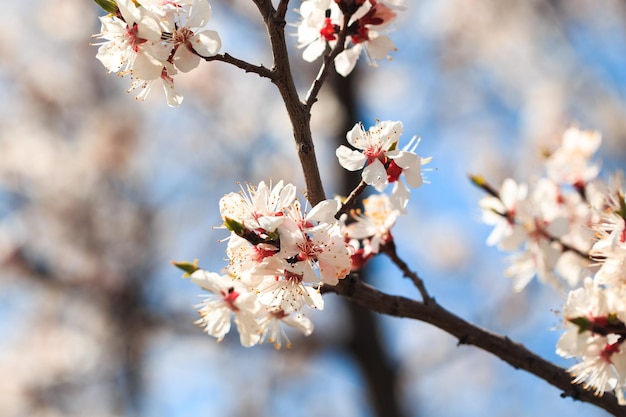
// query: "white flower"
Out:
[166,80]
[308,247]
[262,206]
[374,224]
[382,162]
[288,292]
[131,45]
[323,19]
[184,23]
[539,258]
[570,162]
[318,27]
[156,39]
[501,212]
[371,152]
[272,326]
[228,298]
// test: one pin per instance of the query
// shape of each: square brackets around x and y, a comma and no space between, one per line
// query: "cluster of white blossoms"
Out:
[322,21]
[155,39]
[547,222]
[569,227]
[152,40]
[280,256]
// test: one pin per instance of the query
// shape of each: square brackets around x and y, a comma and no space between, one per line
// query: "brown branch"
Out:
[298,112]
[260,70]
[281,10]
[467,333]
[351,200]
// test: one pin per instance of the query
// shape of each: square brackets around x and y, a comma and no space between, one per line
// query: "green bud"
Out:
[583,323]
[188,267]
[477,180]
[480,182]
[234,226]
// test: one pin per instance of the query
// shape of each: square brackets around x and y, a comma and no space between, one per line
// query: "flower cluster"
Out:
[546,222]
[154,40]
[595,314]
[322,21]
[279,257]
[570,226]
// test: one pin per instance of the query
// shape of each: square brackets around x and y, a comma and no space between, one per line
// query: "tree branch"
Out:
[467,333]
[351,199]
[299,113]
[260,70]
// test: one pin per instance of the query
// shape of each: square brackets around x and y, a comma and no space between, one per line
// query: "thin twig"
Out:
[389,249]
[317,84]
[352,198]
[260,70]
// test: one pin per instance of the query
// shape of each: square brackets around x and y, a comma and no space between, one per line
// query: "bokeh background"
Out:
[99,192]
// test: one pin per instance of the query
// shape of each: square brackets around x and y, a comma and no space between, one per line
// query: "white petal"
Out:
[375,175]
[185,60]
[379,48]
[350,159]
[206,43]
[346,60]
[314,50]
[146,67]
[400,197]
[129,11]
[173,98]
[200,14]
[324,211]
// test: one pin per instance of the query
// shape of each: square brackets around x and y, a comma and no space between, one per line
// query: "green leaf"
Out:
[109,6]
[622,206]
[188,267]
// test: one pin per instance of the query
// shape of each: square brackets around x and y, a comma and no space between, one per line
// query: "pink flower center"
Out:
[182,36]
[609,350]
[329,30]
[230,297]
[133,39]
[373,153]
[290,276]
[393,172]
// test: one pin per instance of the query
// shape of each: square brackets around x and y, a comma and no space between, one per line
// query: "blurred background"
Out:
[99,192]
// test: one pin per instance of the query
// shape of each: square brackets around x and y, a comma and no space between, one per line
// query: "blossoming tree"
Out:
[567,228]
